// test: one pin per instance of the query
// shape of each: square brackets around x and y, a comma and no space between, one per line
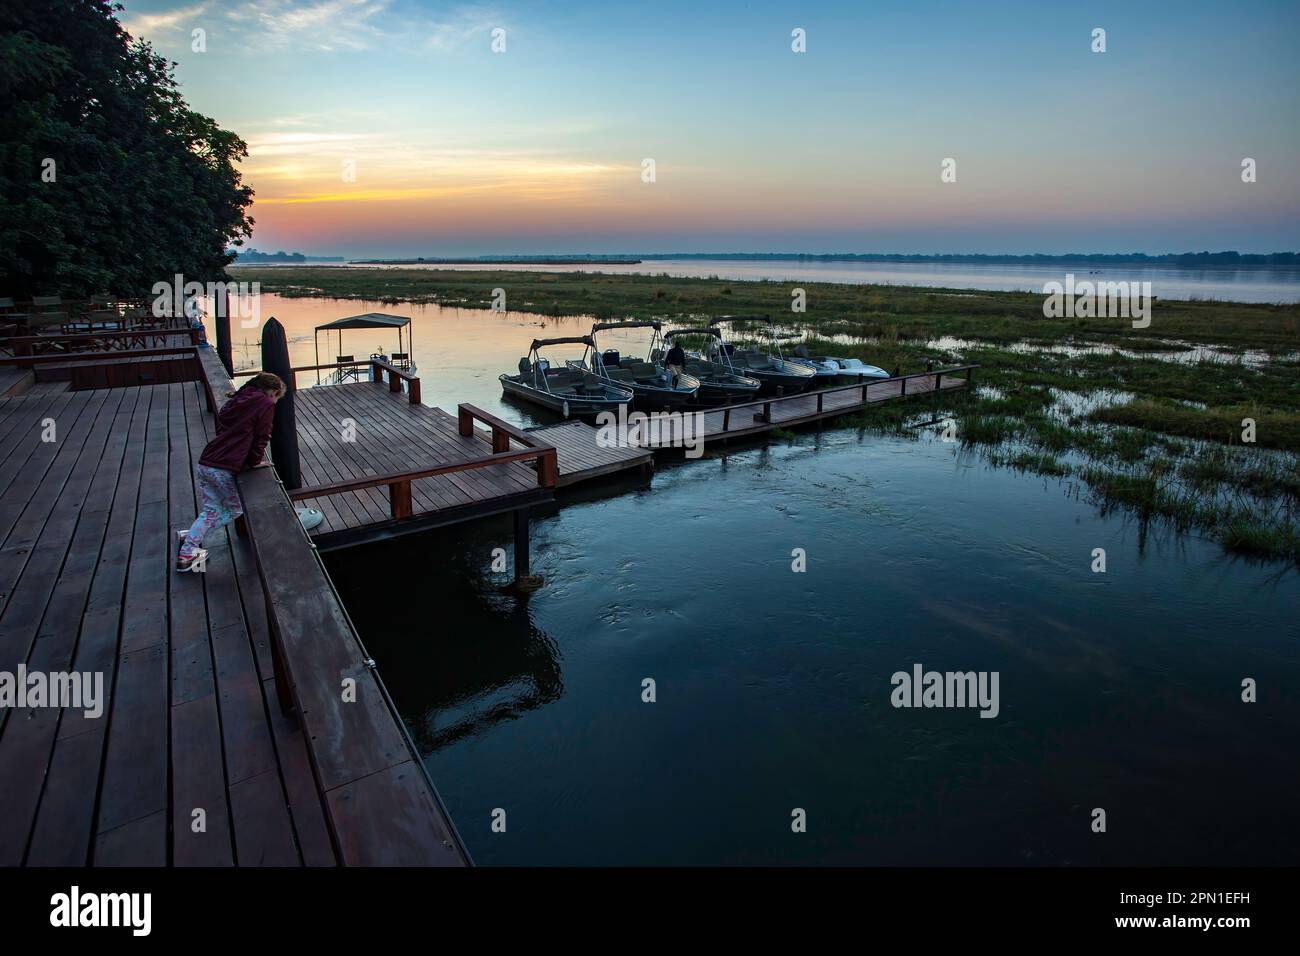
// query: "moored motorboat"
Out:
[718,382]
[566,390]
[773,371]
[830,368]
[654,388]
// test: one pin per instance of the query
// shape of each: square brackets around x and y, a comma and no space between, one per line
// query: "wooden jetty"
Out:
[754,418]
[377,462]
[243,721]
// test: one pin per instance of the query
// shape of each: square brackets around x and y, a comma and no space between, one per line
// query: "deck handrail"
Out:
[503,433]
[19,342]
[56,357]
[408,376]
[395,375]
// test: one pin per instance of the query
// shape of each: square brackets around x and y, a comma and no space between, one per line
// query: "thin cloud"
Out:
[262,26]
[166,21]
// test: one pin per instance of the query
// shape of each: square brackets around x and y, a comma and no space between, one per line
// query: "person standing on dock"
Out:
[243,429]
[675,360]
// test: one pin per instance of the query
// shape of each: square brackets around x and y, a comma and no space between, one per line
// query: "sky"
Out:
[393,128]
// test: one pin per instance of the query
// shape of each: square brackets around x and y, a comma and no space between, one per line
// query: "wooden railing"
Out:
[503,433]
[52,358]
[399,483]
[862,387]
[396,376]
[25,344]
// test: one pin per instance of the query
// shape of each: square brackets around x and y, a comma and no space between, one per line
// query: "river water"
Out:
[1250,284]
[1118,691]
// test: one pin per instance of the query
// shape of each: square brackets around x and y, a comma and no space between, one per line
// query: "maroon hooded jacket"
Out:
[243,429]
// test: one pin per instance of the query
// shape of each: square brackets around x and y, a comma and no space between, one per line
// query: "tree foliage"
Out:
[143,187]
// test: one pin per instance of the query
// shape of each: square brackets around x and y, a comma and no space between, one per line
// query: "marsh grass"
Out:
[1273,429]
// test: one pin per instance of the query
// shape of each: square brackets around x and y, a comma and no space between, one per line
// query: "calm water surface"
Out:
[1118,690]
[1258,284]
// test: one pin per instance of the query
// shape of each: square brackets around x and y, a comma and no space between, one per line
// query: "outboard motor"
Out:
[609,357]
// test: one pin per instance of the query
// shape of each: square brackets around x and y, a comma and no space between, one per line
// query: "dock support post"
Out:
[521,544]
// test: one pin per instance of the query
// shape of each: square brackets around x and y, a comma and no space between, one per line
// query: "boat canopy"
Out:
[647,324]
[369,320]
[714,332]
[569,340]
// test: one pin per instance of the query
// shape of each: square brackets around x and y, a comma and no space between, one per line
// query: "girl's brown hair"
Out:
[266,381]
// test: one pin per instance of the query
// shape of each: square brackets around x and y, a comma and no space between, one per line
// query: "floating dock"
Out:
[354,437]
[377,463]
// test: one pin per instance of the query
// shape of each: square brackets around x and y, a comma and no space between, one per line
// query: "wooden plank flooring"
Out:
[580,457]
[361,430]
[191,730]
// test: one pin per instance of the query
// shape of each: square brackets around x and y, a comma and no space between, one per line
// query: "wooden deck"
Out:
[193,760]
[581,458]
[87,585]
[361,430]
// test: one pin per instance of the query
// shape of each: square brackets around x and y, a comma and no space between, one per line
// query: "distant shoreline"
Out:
[510,261]
[1180,260]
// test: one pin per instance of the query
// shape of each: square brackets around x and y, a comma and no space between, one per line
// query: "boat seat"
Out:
[620,374]
[642,370]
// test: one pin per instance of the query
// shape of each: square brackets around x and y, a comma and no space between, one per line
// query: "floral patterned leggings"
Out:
[221,506]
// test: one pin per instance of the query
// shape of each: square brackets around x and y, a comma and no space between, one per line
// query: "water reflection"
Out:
[471,661]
